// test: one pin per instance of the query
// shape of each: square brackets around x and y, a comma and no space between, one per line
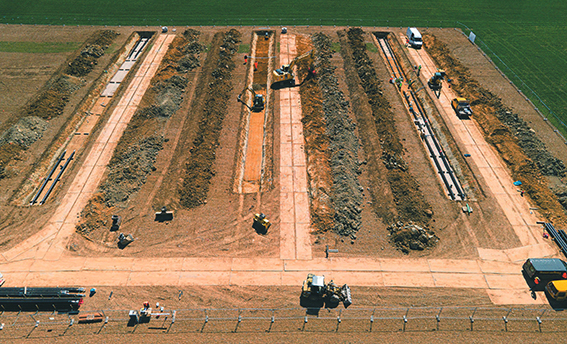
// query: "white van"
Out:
[414,38]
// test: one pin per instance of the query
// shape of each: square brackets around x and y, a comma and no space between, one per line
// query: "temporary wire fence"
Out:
[279,320]
[509,74]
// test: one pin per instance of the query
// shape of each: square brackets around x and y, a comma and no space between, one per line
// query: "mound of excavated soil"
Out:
[410,202]
[129,171]
[25,132]
[87,60]
[409,236]
[346,193]
[317,151]
[53,100]
[525,154]
[199,168]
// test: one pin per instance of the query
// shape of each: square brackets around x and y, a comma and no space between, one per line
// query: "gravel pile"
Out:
[409,236]
[25,132]
[129,171]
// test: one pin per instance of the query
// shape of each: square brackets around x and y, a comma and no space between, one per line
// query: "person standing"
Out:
[418,70]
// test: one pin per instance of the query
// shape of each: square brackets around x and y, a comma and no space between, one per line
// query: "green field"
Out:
[526,35]
[38,47]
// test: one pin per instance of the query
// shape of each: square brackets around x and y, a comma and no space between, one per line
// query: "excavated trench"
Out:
[254,163]
[51,102]
[199,170]
[409,220]
[331,147]
[317,141]
[136,152]
[523,152]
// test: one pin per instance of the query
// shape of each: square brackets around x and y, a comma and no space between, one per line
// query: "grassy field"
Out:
[527,36]
[38,47]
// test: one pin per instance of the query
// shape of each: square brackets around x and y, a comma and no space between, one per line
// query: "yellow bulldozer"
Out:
[284,76]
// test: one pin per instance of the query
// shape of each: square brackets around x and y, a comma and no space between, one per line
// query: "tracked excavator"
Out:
[435,83]
[315,289]
[257,100]
[261,224]
[284,77]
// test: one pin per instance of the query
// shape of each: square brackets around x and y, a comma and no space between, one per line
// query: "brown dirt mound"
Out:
[317,152]
[52,102]
[499,127]
[340,131]
[136,152]
[410,202]
[87,60]
[199,170]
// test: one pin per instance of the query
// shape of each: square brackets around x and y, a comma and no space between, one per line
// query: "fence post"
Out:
[238,323]
[272,320]
[206,321]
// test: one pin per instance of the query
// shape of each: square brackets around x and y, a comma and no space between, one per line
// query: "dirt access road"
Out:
[51,241]
[47,263]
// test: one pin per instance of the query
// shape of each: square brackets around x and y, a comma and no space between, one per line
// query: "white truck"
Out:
[414,38]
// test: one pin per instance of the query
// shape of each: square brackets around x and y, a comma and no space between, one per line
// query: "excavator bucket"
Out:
[347,297]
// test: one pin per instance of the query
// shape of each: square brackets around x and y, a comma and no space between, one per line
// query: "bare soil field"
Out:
[373,190]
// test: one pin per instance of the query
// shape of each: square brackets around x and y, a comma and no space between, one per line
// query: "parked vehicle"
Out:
[557,290]
[541,271]
[414,38]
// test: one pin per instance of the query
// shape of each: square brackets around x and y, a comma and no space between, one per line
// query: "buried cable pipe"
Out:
[48,178]
[57,178]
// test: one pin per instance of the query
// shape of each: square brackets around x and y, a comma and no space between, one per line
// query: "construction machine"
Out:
[435,82]
[462,107]
[284,77]
[257,100]
[315,289]
[261,223]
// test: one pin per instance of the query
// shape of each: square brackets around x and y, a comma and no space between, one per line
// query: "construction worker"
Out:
[418,70]
[245,59]
[256,66]
[399,82]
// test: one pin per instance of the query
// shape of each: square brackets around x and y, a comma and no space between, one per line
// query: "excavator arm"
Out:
[284,75]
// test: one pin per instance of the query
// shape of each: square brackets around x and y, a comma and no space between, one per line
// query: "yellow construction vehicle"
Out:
[284,77]
[435,83]
[261,223]
[257,100]
[462,107]
[315,289]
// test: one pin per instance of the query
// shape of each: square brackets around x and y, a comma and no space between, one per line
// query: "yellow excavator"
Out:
[435,83]
[284,77]
[257,101]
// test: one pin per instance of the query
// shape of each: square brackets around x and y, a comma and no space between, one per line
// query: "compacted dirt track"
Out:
[210,241]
